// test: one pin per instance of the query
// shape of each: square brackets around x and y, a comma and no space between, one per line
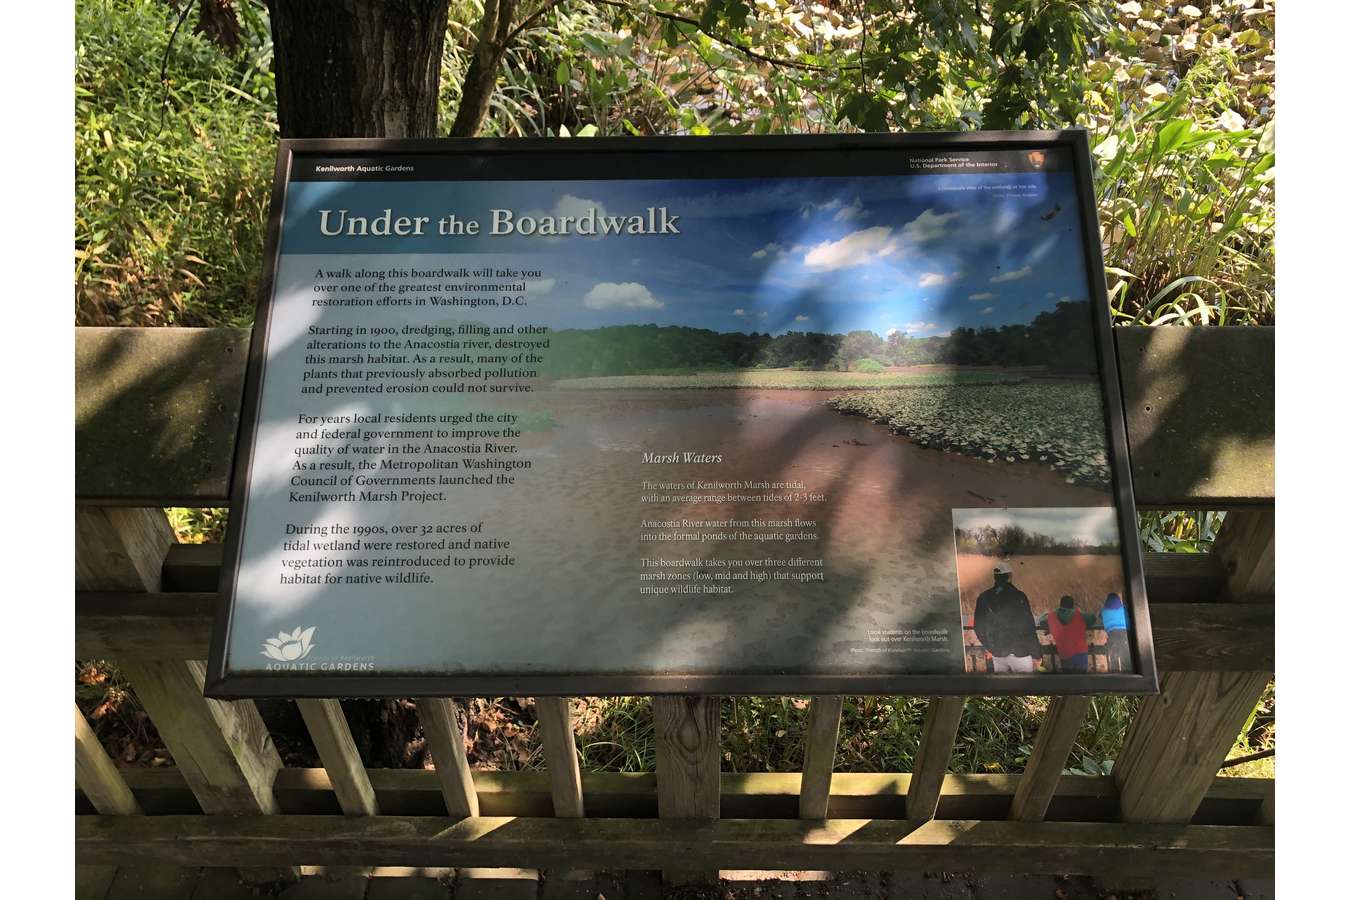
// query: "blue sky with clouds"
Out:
[921,253]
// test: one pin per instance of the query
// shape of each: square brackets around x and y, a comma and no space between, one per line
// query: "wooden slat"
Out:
[333,740]
[1199,404]
[1198,851]
[688,762]
[822,739]
[560,755]
[1177,740]
[156,414]
[440,721]
[940,724]
[1055,739]
[223,749]
[1200,410]
[97,776]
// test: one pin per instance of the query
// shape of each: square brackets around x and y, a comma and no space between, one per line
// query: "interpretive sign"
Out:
[718,415]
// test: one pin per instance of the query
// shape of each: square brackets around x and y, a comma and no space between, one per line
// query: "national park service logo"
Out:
[290,646]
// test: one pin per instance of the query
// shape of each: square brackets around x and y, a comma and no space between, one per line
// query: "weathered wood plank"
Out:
[156,413]
[745,795]
[157,410]
[97,776]
[841,844]
[560,755]
[1177,740]
[1200,407]
[333,740]
[1055,739]
[223,749]
[940,724]
[822,739]
[688,763]
[440,720]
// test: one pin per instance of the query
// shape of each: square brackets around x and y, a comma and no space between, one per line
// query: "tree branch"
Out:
[726,41]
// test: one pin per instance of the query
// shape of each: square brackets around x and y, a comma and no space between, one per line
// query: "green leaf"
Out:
[564,73]
[1170,136]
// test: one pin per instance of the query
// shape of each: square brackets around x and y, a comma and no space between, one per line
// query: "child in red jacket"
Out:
[1069,629]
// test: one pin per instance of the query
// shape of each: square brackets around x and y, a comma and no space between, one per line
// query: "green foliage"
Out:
[171,178]
[868,366]
[1056,424]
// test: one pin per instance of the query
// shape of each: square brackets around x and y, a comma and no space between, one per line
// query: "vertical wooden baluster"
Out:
[688,767]
[940,724]
[1178,739]
[560,755]
[440,721]
[221,748]
[822,739]
[337,751]
[97,776]
[1058,732]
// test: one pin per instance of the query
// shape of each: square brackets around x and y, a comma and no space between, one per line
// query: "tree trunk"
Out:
[494,36]
[358,68]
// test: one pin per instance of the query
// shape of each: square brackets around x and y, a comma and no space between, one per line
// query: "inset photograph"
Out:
[1042,590]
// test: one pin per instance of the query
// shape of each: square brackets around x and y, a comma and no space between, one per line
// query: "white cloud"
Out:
[893,331]
[625,295]
[921,326]
[802,319]
[986,311]
[982,295]
[542,285]
[853,211]
[854,249]
[1065,299]
[1011,276]
[745,314]
[771,249]
[933,279]
[927,226]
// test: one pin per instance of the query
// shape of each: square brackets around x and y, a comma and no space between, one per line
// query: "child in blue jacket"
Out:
[1117,635]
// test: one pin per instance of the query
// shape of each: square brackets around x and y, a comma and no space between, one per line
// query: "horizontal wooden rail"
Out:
[751,795]
[1195,851]
[1191,632]
[157,411]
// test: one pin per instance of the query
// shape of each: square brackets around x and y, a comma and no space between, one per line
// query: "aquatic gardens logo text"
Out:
[292,646]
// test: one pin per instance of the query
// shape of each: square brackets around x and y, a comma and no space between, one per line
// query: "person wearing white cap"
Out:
[1005,626]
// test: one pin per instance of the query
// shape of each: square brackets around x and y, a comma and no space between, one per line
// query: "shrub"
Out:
[868,366]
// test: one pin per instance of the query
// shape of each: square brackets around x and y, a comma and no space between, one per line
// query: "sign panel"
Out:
[780,415]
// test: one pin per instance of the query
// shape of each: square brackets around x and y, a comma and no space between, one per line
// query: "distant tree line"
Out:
[1061,339]
[1010,540]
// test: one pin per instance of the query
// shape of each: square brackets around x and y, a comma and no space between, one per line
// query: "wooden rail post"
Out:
[688,767]
[1178,739]
[1058,732]
[822,740]
[440,721]
[560,755]
[940,724]
[222,748]
[97,776]
[337,750]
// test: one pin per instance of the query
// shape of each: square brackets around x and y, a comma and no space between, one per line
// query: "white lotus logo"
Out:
[288,647]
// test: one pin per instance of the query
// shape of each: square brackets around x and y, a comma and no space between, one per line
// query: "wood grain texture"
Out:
[1177,739]
[822,739]
[97,776]
[1059,730]
[560,755]
[688,763]
[332,738]
[440,720]
[745,795]
[223,749]
[1199,405]
[940,724]
[1198,851]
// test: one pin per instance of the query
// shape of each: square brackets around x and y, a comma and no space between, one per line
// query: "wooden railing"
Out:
[157,414]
